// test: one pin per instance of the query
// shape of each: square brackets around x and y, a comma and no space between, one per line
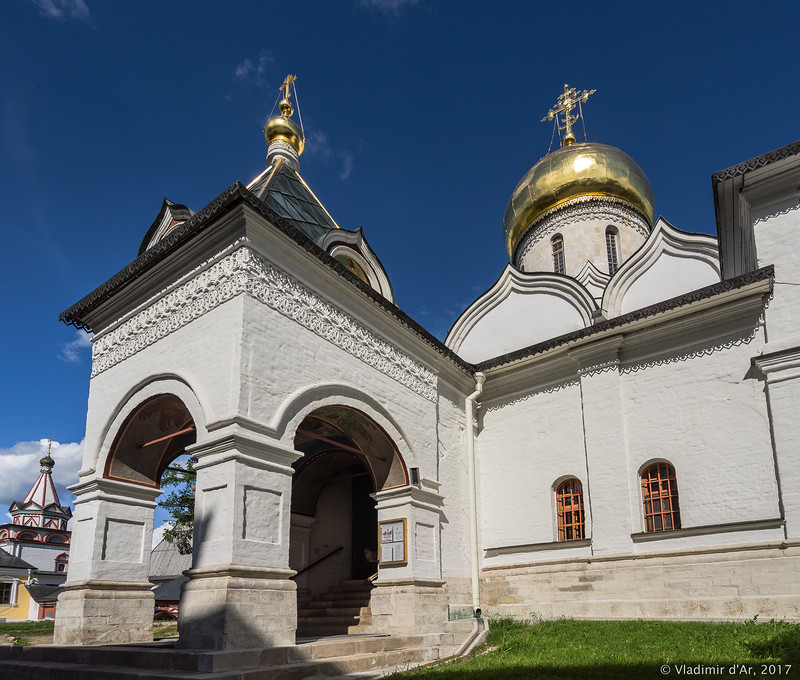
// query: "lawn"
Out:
[626,649]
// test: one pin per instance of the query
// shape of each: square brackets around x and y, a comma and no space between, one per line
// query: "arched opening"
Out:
[347,457]
[154,434]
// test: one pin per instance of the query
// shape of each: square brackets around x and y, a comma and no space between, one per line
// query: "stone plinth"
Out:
[408,606]
[104,612]
[236,606]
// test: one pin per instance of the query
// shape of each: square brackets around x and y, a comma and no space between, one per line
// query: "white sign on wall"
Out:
[392,543]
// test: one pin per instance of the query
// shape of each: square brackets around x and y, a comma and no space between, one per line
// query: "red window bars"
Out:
[660,497]
[569,508]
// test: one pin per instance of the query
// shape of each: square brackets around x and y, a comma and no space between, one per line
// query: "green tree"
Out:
[178,499]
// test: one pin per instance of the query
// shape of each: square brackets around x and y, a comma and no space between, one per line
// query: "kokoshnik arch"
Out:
[551,457]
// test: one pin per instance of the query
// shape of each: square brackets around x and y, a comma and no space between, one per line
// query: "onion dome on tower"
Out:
[582,203]
[284,137]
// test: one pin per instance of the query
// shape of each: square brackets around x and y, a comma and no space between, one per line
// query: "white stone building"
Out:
[608,432]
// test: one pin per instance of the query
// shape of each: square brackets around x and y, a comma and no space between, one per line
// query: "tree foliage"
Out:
[178,500]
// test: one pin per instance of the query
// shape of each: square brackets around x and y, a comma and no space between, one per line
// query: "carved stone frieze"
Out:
[244,272]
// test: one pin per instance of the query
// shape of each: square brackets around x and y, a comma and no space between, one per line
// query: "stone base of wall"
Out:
[234,606]
[410,606]
[734,583]
[104,612]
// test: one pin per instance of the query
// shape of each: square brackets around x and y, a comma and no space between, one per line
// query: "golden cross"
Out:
[285,87]
[50,443]
[565,103]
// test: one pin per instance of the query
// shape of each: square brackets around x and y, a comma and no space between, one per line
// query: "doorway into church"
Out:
[346,458]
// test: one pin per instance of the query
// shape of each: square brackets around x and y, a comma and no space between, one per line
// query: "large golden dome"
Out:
[575,171]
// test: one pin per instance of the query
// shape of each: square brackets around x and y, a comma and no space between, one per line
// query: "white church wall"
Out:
[191,353]
[332,528]
[701,409]
[280,358]
[42,557]
[524,447]
[669,277]
[776,228]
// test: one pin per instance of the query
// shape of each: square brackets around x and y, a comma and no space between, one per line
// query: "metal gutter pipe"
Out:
[469,407]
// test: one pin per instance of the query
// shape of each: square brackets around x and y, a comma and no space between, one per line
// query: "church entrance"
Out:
[346,458]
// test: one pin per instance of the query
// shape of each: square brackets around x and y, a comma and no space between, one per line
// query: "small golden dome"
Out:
[575,171]
[284,128]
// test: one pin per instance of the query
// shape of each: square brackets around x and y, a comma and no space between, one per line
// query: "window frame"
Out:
[575,527]
[559,256]
[12,592]
[612,249]
[655,517]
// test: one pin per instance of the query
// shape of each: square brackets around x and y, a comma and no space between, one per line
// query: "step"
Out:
[333,611]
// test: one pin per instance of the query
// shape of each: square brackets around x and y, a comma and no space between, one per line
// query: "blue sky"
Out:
[420,117]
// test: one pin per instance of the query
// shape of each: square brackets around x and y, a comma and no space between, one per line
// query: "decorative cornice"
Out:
[235,194]
[758,162]
[763,274]
[619,212]
[244,272]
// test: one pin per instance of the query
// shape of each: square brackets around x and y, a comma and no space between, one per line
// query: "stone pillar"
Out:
[240,592]
[607,489]
[782,370]
[107,598]
[411,598]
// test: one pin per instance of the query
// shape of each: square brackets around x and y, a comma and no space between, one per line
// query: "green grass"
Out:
[622,649]
[26,628]
[164,630]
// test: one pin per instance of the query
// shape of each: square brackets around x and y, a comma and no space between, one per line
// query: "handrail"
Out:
[316,562]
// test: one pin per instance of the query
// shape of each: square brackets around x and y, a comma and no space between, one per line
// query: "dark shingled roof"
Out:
[757,162]
[8,561]
[763,274]
[42,592]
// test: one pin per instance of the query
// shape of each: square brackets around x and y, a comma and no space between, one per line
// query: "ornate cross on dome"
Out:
[564,104]
[288,81]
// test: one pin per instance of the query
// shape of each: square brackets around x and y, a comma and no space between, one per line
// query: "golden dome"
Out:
[284,128]
[575,171]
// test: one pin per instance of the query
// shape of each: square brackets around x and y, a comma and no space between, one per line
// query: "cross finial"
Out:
[565,103]
[49,445]
[285,87]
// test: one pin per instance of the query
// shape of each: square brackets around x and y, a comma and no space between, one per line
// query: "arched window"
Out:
[558,254]
[569,510]
[62,563]
[55,538]
[26,536]
[611,250]
[660,498]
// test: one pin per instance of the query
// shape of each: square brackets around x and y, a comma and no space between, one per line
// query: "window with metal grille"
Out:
[6,593]
[569,510]
[660,498]
[611,250]
[558,254]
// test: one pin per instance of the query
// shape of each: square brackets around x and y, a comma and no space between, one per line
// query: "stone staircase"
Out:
[343,610]
[361,656]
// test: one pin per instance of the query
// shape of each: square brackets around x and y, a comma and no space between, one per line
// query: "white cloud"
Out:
[20,466]
[254,71]
[318,144]
[72,352]
[63,10]
[393,7]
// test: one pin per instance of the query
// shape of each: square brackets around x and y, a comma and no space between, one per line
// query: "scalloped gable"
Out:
[517,311]
[670,262]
